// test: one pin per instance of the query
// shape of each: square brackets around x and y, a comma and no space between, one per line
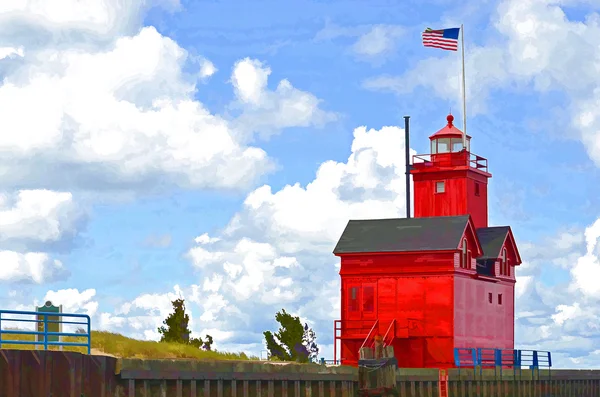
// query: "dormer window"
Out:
[504,266]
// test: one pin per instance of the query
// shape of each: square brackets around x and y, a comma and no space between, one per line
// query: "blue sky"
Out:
[216,149]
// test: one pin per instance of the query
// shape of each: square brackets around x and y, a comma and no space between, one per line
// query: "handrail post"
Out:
[89,335]
[45,331]
[0,330]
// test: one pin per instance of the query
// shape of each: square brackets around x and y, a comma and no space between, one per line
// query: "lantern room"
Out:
[449,139]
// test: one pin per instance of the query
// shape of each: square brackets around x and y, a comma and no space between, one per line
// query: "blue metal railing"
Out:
[502,358]
[45,333]
[322,361]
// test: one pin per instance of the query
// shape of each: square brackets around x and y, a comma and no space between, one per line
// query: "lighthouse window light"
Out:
[443,145]
[457,145]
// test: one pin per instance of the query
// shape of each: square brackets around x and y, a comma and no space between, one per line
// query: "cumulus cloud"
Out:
[32,222]
[117,112]
[30,216]
[264,111]
[36,267]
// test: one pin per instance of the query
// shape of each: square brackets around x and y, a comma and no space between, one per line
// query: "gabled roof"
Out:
[402,235]
[491,239]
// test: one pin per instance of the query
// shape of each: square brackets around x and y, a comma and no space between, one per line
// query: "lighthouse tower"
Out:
[436,282]
[450,180]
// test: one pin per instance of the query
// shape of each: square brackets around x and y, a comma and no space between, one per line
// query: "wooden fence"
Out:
[66,374]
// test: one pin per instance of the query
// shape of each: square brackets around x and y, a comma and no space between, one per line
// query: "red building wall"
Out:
[459,197]
[479,322]
[417,290]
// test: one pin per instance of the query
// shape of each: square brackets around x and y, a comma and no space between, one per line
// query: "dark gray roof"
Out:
[402,235]
[491,239]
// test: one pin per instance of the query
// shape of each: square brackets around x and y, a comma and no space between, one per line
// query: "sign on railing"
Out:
[48,327]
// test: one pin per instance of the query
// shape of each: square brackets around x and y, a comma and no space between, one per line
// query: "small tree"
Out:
[290,343]
[177,328]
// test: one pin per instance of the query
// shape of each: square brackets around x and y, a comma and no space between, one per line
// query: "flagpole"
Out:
[464,90]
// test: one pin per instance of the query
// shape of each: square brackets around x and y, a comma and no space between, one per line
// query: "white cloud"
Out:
[120,118]
[36,267]
[105,18]
[10,52]
[378,41]
[373,42]
[207,69]
[37,215]
[35,219]
[265,111]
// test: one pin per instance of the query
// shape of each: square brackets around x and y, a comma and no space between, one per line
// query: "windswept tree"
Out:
[177,328]
[292,342]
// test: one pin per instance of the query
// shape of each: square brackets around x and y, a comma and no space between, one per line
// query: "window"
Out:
[499,299]
[440,187]
[465,255]
[457,145]
[490,297]
[443,145]
[504,268]
[353,301]
[476,189]
[433,147]
[368,299]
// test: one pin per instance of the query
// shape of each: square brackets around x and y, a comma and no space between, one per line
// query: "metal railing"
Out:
[45,333]
[453,159]
[502,358]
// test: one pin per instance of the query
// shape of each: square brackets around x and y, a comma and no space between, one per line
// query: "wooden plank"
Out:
[321,388]
[246,389]
[271,388]
[297,389]
[258,386]
[206,388]
[131,391]
[332,388]
[179,389]
[284,388]
[163,388]
[146,390]
[220,388]
[234,388]
[193,389]
[308,387]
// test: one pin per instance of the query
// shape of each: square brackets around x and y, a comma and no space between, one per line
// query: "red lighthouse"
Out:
[435,282]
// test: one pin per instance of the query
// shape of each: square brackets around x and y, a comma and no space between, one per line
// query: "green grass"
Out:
[122,346]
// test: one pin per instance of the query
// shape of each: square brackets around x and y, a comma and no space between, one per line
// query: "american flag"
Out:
[446,39]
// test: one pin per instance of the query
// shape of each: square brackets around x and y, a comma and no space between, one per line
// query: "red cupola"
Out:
[451,180]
